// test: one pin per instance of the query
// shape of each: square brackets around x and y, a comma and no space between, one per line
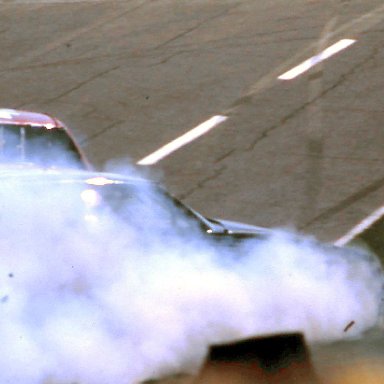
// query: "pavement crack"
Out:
[69,37]
[121,55]
[243,41]
[202,183]
[196,26]
[81,84]
[151,53]
[168,58]
[345,203]
[100,132]
[270,129]
[225,156]
[330,157]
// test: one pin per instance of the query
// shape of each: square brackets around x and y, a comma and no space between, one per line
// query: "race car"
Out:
[92,259]
[38,138]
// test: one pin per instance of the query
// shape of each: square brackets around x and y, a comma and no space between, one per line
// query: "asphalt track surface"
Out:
[130,76]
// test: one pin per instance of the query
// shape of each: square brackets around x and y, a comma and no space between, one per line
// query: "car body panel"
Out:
[234,227]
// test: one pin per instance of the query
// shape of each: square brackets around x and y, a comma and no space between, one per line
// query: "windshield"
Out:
[145,208]
[38,145]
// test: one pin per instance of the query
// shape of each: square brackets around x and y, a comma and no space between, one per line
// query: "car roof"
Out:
[19,117]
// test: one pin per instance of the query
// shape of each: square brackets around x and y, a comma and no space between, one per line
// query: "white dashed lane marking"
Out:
[189,136]
[361,227]
[314,60]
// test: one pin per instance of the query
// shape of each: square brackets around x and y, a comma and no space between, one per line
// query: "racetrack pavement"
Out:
[131,76]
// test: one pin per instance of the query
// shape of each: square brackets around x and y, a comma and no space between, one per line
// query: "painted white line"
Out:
[314,60]
[182,140]
[361,227]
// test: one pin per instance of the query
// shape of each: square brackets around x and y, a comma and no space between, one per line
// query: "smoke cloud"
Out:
[91,294]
